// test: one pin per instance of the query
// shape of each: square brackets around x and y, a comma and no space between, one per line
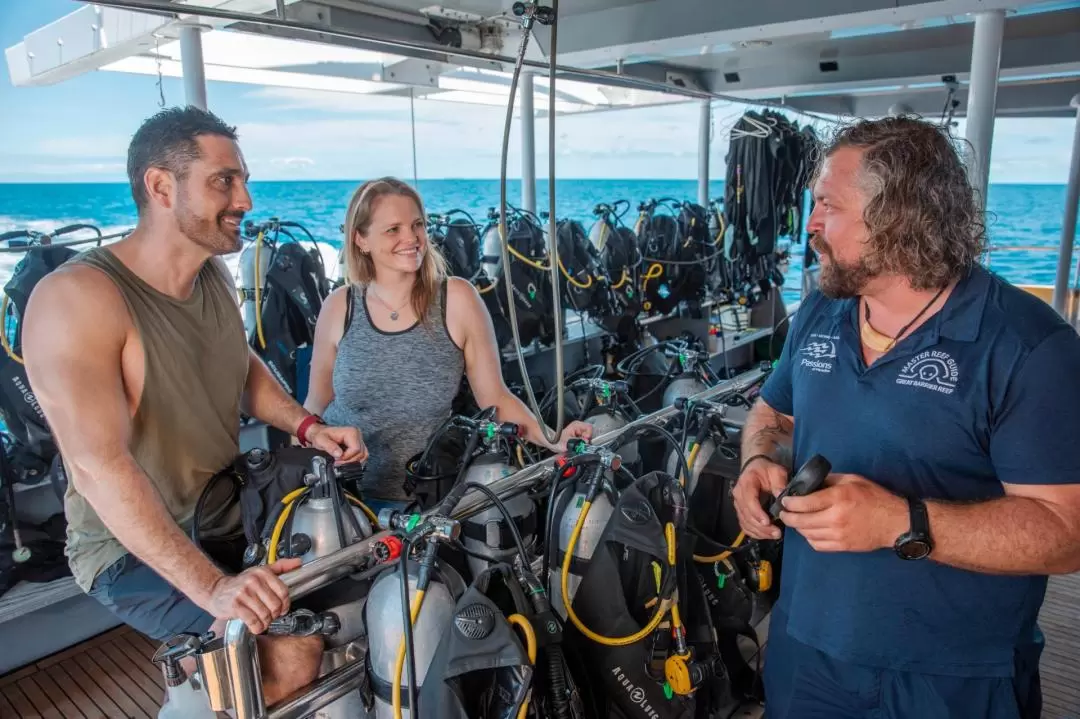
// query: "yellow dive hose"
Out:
[530,646]
[290,500]
[665,604]
[399,663]
[3,335]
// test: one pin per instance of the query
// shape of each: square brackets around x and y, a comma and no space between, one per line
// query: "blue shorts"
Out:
[140,598]
[804,683]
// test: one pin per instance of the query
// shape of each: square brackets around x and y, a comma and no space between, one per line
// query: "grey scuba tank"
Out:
[315,526]
[385,631]
[588,540]
[486,533]
[248,277]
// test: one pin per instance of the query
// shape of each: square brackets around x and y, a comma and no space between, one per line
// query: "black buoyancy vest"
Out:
[729,599]
[481,667]
[583,263]
[630,544]
[531,286]
[22,414]
[296,286]
[460,245]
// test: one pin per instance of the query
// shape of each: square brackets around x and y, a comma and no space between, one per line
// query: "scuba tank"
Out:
[568,504]
[433,588]
[292,503]
[608,408]
[487,533]
[694,373]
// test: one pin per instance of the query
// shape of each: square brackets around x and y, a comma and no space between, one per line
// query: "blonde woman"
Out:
[392,363]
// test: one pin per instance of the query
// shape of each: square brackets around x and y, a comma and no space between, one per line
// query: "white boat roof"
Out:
[815,56]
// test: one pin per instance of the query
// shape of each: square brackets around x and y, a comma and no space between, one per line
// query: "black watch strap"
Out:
[916,542]
[920,518]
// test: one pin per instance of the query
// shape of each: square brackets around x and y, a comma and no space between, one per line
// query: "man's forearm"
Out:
[132,510]
[767,432]
[267,401]
[1010,535]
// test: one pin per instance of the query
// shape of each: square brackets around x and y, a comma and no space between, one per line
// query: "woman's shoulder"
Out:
[460,291]
[334,309]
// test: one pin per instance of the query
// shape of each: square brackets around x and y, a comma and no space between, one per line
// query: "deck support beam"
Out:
[191,61]
[528,144]
[704,132]
[1068,224]
[982,95]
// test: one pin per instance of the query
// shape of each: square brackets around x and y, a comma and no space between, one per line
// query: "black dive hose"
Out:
[410,649]
[507,516]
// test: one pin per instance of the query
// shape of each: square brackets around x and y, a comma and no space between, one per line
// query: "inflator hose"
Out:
[738,540]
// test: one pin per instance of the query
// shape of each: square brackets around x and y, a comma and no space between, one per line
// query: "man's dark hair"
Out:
[168,140]
[923,217]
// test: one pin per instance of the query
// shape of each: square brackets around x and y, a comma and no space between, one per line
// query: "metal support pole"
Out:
[703,154]
[528,144]
[191,61]
[982,95]
[1068,225]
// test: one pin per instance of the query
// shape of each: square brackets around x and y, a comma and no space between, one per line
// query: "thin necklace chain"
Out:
[393,311]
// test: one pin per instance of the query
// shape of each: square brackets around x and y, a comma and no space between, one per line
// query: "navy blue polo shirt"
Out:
[986,391]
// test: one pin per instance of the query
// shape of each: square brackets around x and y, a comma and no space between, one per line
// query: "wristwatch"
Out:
[915,543]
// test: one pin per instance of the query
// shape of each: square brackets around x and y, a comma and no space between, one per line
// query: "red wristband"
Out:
[305,425]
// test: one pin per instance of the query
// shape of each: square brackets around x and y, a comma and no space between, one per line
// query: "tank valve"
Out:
[305,623]
[179,647]
[386,550]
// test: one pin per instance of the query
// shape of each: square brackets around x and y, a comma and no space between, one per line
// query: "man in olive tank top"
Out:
[137,354]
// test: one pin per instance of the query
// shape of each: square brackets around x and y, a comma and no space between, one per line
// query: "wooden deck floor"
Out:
[107,677]
[111,676]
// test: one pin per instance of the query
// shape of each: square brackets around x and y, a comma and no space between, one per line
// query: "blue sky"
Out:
[78,130]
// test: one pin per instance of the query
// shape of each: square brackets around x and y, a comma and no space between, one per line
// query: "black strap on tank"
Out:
[383,689]
[527,525]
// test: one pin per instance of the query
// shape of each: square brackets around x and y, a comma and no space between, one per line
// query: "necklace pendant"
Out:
[394,315]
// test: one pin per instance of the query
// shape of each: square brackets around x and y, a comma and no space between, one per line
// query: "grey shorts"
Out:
[140,598]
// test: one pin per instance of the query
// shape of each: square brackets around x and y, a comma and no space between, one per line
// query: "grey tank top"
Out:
[395,387]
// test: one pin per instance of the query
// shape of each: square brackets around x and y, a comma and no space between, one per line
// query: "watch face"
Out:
[913,549]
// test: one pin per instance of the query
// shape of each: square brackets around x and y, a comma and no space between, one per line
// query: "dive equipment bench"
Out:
[240,656]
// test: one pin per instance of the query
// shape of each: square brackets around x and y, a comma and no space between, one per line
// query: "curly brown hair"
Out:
[922,214]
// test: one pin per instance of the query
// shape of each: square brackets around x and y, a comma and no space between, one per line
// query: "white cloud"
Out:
[292,162]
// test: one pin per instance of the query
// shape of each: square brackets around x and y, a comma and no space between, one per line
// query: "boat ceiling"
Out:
[814,56]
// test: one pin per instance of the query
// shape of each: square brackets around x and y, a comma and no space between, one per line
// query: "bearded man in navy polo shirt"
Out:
[948,402]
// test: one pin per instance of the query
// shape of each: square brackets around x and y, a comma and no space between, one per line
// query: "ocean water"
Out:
[1028,217]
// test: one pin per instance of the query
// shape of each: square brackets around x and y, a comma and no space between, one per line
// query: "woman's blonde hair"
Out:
[359,266]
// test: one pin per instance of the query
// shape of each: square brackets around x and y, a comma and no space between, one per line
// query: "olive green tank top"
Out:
[187,424]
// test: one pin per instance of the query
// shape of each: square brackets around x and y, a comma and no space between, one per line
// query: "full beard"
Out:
[839,281]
